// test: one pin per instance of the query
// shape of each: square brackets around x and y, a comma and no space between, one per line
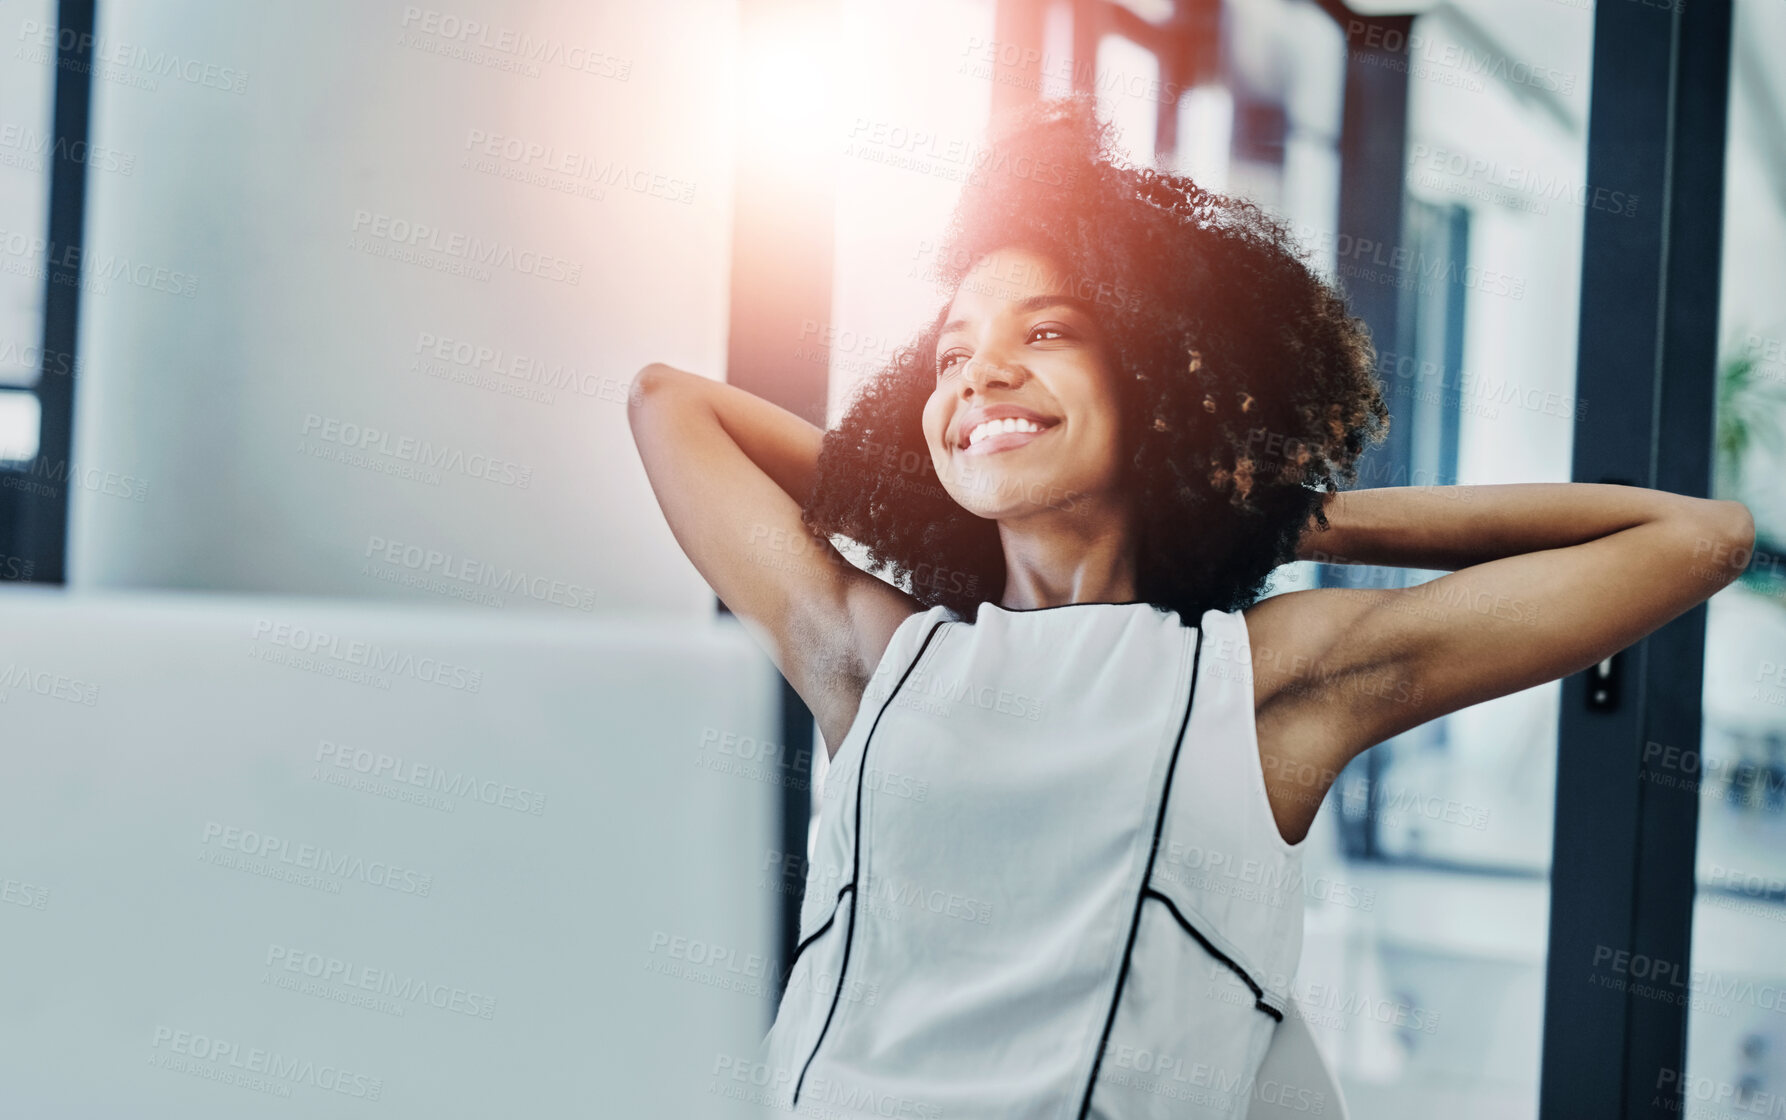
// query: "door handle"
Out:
[1603,684]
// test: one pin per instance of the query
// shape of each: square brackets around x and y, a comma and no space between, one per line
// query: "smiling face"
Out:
[1024,416]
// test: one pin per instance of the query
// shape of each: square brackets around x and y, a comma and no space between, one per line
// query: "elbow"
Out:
[1742,523]
[646,382]
[1724,541]
[647,385]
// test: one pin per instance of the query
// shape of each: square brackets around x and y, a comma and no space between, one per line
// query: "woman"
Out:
[1138,402]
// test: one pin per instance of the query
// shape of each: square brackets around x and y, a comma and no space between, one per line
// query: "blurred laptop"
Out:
[278,857]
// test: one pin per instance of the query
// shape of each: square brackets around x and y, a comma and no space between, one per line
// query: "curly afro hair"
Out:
[1246,386]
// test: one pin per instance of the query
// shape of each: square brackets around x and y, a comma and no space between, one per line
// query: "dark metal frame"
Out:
[1622,877]
[34,520]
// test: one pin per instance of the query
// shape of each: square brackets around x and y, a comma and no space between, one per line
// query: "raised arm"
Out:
[1547,580]
[728,469]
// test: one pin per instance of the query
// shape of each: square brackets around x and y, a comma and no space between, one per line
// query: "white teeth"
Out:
[999,427]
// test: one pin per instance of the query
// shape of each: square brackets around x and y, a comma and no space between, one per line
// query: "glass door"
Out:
[1735,989]
[1425,952]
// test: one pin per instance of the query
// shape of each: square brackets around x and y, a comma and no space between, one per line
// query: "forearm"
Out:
[781,444]
[1450,527]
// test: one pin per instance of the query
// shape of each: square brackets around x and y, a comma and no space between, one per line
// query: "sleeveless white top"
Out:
[1047,882]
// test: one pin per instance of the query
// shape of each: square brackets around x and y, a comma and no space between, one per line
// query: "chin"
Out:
[986,491]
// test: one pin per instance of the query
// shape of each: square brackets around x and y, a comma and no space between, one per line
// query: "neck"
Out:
[1054,560]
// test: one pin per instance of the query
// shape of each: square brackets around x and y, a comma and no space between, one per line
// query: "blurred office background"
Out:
[315,238]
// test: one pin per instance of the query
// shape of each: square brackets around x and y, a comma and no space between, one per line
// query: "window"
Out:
[27,148]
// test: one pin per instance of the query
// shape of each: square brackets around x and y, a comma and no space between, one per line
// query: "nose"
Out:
[984,370]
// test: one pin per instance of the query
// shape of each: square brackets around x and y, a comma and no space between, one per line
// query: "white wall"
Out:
[222,401]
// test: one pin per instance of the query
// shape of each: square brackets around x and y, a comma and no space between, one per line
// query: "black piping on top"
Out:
[1245,977]
[814,935]
[849,936]
[1153,849]
[1063,606]
[1158,610]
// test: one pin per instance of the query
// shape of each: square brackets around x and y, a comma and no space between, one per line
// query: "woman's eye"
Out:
[948,361]
[1050,329]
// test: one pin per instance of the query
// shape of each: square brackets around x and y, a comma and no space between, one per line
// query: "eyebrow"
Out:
[1025,306]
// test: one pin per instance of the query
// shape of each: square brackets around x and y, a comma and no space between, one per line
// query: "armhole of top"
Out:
[895,661]
[897,643]
[1235,623]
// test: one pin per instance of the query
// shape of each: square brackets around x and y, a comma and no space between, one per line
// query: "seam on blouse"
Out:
[1159,825]
[815,934]
[1222,943]
[849,936]
[1246,977]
